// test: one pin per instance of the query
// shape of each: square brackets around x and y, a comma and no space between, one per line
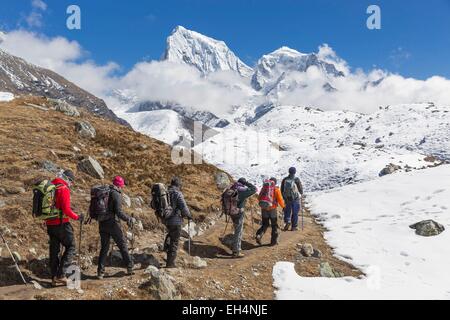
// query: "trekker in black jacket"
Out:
[109,227]
[245,190]
[174,222]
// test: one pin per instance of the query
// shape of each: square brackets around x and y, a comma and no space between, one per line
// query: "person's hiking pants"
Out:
[269,218]
[61,235]
[238,222]
[111,229]
[171,243]
[291,212]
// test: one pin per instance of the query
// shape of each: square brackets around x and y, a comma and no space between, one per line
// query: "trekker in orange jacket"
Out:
[270,217]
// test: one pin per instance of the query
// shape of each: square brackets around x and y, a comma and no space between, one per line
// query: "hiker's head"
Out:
[176,182]
[274,180]
[242,181]
[292,171]
[68,176]
[119,182]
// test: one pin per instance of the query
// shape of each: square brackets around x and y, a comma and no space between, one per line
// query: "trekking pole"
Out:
[14,259]
[79,244]
[189,237]
[226,226]
[132,235]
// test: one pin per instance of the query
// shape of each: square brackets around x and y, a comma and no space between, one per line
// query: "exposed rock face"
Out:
[222,180]
[66,108]
[85,130]
[428,228]
[327,271]
[390,169]
[90,166]
[198,263]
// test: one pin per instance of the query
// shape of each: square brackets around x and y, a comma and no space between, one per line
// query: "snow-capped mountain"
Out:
[22,78]
[206,54]
[272,70]
[332,148]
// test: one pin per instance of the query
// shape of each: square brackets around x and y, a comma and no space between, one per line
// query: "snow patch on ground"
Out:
[368,226]
[6,97]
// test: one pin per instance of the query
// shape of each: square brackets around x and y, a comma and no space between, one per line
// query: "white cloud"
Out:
[183,84]
[35,18]
[65,57]
[39,4]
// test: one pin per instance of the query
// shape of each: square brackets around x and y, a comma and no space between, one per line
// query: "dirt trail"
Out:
[224,278]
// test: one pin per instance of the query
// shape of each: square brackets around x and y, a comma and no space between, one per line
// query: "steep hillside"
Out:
[22,78]
[35,142]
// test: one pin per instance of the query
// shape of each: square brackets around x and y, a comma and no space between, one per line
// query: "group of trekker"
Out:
[52,203]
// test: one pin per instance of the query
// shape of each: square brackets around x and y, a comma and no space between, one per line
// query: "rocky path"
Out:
[223,278]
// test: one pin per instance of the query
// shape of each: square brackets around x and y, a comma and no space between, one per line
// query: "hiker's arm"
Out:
[65,204]
[182,205]
[299,185]
[117,201]
[282,185]
[251,190]
[279,198]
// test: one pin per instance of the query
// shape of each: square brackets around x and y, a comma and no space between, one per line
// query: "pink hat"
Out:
[119,181]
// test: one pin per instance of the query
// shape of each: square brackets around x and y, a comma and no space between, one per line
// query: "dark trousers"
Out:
[61,235]
[269,218]
[171,243]
[111,229]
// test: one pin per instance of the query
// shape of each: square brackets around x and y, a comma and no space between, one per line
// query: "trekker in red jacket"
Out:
[60,230]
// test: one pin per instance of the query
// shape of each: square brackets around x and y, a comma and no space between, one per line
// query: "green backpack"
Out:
[44,201]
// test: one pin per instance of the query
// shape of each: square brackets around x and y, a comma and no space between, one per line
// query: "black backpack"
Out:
[161,202]
[98,208]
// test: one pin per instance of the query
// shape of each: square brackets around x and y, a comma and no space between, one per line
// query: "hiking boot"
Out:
[274,243]
[258,240]
[238,255]
[100,275]
[294,229]
[287,226]
[130,271]
[59,281]
[171,266]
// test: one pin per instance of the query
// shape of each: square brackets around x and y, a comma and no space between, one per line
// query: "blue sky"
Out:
[414,40]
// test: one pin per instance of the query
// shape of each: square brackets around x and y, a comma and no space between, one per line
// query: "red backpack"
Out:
[267,195]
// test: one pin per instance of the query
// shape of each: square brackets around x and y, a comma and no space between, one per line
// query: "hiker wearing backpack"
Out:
[59,229]
[234,199]
[109,226]
[292,191]
[174,221]
[269,199]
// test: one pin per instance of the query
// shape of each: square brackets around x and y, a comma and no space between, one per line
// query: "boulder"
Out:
[191,232]
[327,271]
[67,109]
[222,180]
[2,204]
[126,200]
[307,250]
[198,263]
[317,254]
[161,286]
[390,169]
[137,202]
[15,190]
[91,167]
[428,228]
[147,260]
[85,130]
[49,166]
